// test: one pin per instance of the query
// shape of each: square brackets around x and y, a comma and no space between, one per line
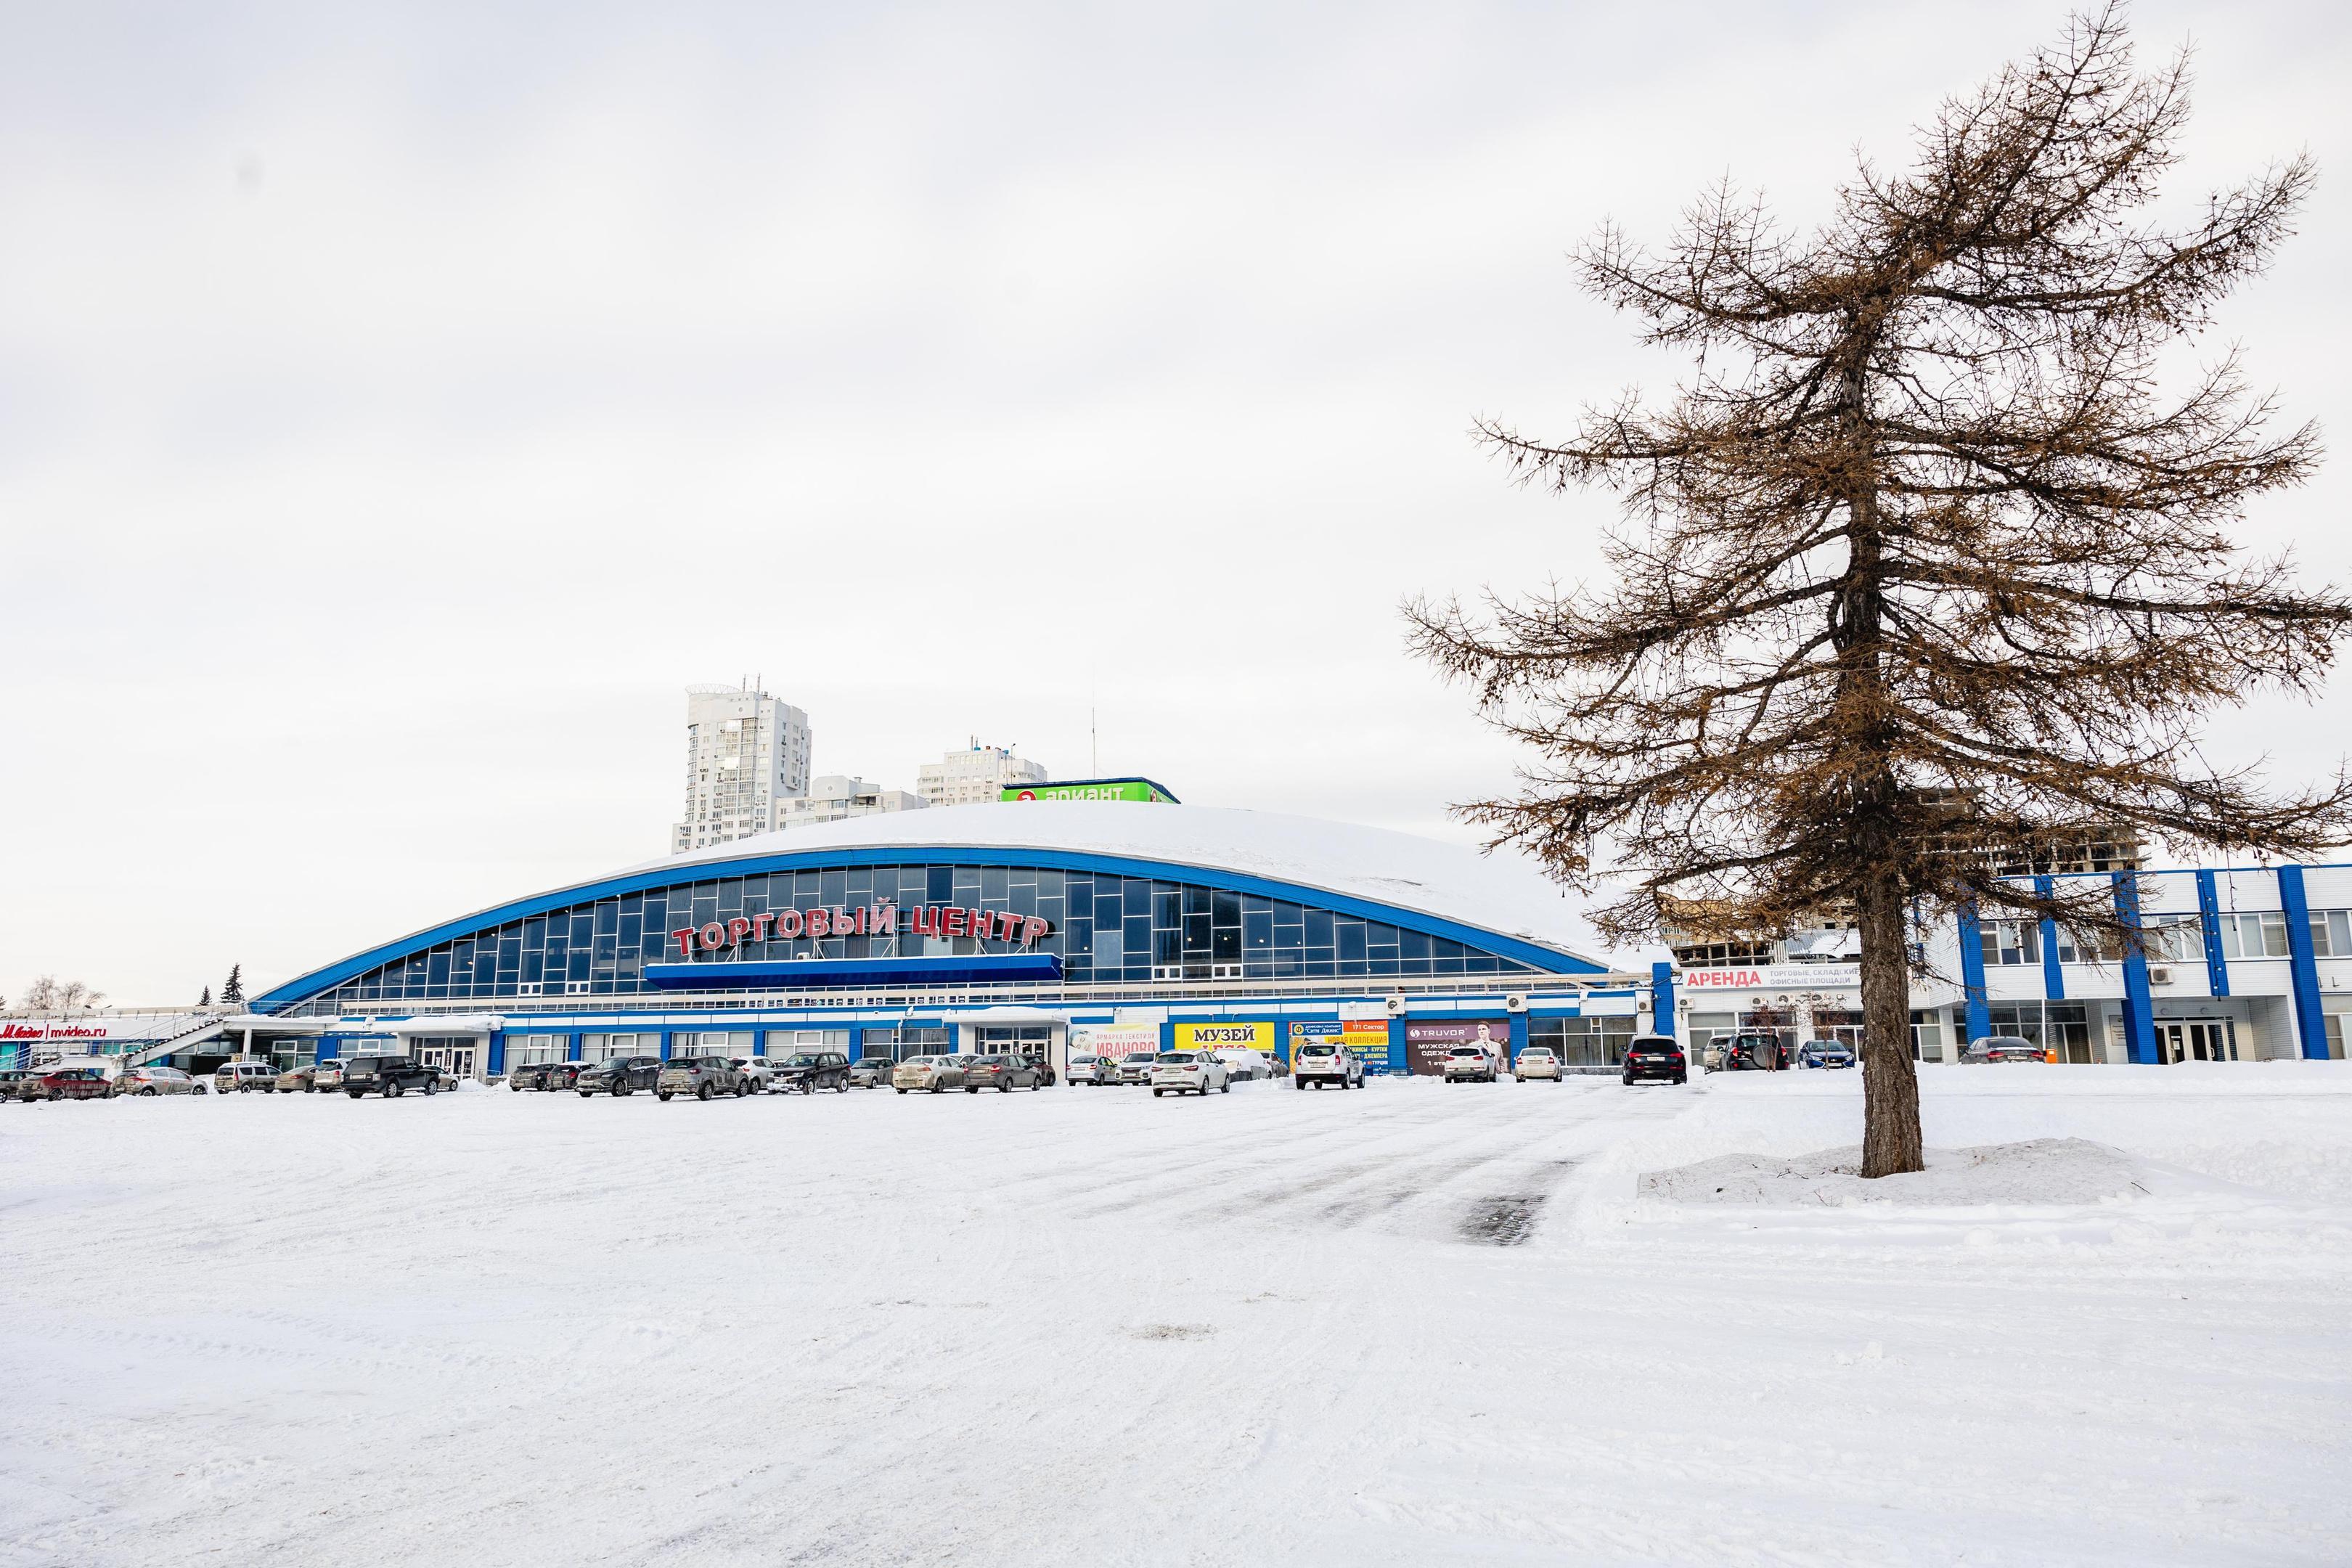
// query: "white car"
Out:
[757,1069]
[1085,1067]
[1196,1072]
[1538,1061]
[1469,1064]
[1319,1063]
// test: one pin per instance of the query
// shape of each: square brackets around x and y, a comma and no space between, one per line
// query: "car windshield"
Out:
[1140,1056]
[802,1061]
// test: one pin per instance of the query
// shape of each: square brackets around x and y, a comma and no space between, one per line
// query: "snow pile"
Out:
[2040,1171]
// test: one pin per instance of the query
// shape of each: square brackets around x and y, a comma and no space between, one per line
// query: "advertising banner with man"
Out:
[1426,1041]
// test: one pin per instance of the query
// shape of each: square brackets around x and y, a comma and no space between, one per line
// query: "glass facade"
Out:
[1107,929]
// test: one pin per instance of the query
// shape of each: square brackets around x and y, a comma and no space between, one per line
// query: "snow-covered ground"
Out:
[1418,1324]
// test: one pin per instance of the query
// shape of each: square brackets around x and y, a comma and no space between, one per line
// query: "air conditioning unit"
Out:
[1517,1002]
[1396,1006]
[2159,974]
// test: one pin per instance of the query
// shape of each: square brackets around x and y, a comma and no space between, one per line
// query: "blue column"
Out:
[1400,1061]
[572,1046]
[2209,912]
[857,1041]
[2054,974]
[1662,1000]
[665,1037]
[1518,1035]
[2139,1014]
[2303,964]
[1977,1020]
[497,1051]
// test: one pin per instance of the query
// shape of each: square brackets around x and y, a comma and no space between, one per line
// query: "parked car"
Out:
[1471,1063]
[617,1075]
[390,1077]
[1753,1050]
[1319,1062]
[245,1074]
[1087,1067]
[1538,1061]
[805,1072]
[705,1077]
[16,1081]
[1198,1072]
[1825,1054]
[871,1072]
[1004,1074]
[74,1083]
[295,1080]
[531,1076]
[1136,1066]
[156,1080]
[2002,1048]
[937,1074]
[1245,1065]
[761,1070]
[562,1074]
[1656,1056]
[328,1075]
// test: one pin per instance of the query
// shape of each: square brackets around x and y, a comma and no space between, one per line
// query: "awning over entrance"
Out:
[977,968]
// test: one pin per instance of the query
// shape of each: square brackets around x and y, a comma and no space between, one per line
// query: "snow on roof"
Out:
[1447,880]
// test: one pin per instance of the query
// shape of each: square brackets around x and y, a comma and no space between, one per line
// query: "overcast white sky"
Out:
[399,408]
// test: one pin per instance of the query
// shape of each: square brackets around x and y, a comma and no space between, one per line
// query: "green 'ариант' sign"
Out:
[1091,789]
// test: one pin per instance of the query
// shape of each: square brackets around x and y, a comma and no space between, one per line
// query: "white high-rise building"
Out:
[978,774]
[835,798]
[745,754]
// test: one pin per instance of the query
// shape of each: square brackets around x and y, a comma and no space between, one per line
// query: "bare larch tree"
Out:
[1928,562]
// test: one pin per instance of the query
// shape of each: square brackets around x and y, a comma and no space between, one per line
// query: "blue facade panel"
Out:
[2139,1011]
[2303,964]
[2209,917]
[1979,1017]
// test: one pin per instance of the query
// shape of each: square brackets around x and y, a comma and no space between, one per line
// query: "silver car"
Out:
[705,1077]
[1537,1061]
[156,1080]
[2002,1048]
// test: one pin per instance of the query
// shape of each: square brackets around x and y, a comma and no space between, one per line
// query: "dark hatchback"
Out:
[1005,1074]
[1655,1057]
[531,1075]
[805,1072]
[617,1075]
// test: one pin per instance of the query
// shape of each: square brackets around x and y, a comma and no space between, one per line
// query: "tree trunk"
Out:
[1890,1086]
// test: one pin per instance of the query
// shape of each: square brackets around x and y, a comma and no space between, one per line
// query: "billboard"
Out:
[1426,1040]
[1114,1039]
[1224,1037]
[1090,789]
[1367,1039]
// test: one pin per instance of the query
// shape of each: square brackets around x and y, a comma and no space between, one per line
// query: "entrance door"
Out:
[453,1056]
[2199,1040]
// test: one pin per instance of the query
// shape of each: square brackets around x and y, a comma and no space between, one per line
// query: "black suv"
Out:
[808,1071]
[1656,1055]
[391,1076]
[618,1076]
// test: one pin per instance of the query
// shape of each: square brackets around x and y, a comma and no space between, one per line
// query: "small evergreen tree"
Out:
[206,999]
[232,988]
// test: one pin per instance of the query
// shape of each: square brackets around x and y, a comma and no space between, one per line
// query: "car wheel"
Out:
[356,1093]
[1155,1094]
[1298,1083]
[150,1092]
[741,1090]
[395,1089]
[1002,1087]
[703,1094]
[663,1095]
[1629,1081]
[938,1088]
[515,1085]
[432,1085]
[1224,1089]
[842,1087]
[900,1091]
[1682,1078]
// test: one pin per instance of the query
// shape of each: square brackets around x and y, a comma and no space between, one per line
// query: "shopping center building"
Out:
[1116,925]
[1048,925]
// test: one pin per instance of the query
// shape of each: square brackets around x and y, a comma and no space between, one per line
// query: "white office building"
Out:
[835,798]
[975,775]
[746,755]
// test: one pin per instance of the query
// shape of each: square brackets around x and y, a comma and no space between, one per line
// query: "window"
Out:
[2012,942]
[2331,933]
[2176,938]
[2257,935]
[1722,954]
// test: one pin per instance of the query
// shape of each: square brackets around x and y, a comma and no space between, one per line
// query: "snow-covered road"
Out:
[1413,1325]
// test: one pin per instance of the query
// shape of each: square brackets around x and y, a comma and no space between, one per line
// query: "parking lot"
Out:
[1412,1325]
